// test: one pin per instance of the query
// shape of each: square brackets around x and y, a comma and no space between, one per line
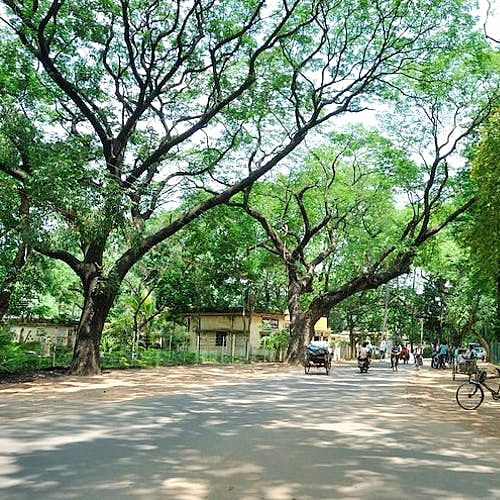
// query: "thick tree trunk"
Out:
[298,322]
[86,354]
[300,328]
[300,325]
[352,336]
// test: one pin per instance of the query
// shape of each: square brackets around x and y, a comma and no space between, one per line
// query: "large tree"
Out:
[215,263]
[162,97]
[484,234]
[14,211]
[343,234]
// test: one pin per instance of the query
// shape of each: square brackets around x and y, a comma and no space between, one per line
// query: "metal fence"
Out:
[495,352]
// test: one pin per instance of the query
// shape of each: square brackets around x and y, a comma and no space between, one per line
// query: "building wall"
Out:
[62,335]
[321,324]
[236,327]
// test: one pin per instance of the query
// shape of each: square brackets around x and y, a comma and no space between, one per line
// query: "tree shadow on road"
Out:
[295,436]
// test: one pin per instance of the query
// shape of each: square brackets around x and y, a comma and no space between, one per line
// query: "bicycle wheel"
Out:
[469,396]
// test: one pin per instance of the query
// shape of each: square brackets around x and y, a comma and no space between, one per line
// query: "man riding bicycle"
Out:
[395,352]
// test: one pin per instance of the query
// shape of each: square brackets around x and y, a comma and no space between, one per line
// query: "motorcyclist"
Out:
[364,353]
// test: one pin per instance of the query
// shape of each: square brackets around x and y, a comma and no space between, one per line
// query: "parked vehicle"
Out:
[470,394]
[319,355]
[479,352]
[463,365]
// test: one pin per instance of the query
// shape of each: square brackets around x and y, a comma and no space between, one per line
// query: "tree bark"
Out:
[300,328]
[299,325]
[100,294]
[352,336]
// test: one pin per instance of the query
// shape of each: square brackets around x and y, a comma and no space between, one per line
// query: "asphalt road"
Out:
[293,436]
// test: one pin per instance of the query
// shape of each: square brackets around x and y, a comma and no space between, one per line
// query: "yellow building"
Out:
[238,334]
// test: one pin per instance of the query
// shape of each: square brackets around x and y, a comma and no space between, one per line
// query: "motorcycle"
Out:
[438,361]
[363,365]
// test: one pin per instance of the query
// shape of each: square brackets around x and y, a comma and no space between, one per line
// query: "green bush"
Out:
[150,357]
[276,340]
[427,351]
[217,358]
[5,336]
[16,357]
[28,356]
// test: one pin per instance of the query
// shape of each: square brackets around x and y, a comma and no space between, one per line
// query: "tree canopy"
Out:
[119,110]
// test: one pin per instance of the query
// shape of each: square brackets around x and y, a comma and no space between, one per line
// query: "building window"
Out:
[271,323]
[221,339]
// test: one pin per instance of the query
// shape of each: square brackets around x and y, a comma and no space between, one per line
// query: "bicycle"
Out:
[470,394]
[439,361]
[394,362]
[418,360]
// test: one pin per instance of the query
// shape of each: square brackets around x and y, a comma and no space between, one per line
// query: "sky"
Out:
[493,21]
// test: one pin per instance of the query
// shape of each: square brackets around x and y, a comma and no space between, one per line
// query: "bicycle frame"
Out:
[470,395]
[481,377]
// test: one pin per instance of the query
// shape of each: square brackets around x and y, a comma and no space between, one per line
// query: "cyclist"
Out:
[395,352]
[405,354]
[418,356]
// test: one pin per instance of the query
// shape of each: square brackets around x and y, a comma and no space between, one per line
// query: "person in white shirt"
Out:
[364,351]
[383,348]
[418,353]
[469,353]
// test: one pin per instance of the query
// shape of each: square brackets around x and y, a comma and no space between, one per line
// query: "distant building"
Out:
[236,334]
[42,330]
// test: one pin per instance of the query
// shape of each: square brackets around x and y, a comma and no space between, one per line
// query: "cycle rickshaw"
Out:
[317,356]
[464,366]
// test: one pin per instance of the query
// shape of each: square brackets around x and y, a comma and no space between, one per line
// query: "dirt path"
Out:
[434,391]
[119,385]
